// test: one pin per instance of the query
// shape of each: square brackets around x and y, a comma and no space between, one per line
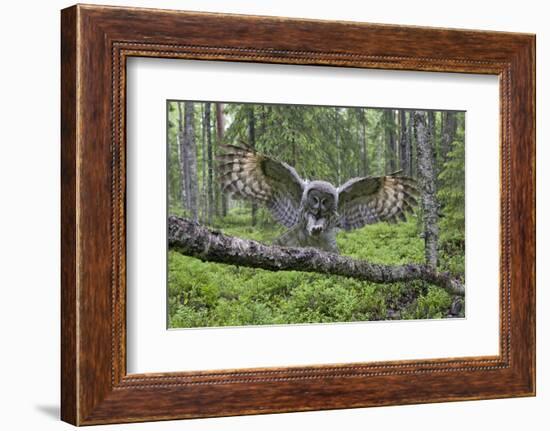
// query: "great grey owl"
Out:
[313,211]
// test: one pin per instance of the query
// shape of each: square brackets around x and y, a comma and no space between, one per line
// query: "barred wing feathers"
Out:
[246,174]
[369,200]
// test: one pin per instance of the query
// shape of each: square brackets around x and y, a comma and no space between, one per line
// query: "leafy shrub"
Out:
[211,294]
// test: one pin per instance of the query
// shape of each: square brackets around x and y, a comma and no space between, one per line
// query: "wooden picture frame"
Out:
[95,43]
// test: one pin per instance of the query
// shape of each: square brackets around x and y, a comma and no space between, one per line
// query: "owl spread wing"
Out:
[368,200]
[246,174]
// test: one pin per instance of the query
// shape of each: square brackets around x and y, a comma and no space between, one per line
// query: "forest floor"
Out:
[204,294]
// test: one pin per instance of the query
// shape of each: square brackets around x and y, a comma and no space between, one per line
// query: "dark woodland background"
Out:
[329,143]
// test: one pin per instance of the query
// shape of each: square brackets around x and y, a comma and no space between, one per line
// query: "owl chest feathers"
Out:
[298,236]
[316,225]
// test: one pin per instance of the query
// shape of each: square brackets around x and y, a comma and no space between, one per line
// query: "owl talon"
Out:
[315,226]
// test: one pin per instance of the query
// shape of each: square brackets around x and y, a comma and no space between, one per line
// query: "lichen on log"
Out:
[209,245]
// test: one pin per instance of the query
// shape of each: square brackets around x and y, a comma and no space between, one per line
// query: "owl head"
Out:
[319,204]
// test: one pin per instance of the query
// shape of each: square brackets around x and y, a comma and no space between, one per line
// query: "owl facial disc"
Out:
[319,206]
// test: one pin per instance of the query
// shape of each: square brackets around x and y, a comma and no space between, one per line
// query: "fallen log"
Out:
[209,245]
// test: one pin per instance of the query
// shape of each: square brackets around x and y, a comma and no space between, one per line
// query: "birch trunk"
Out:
[427,185]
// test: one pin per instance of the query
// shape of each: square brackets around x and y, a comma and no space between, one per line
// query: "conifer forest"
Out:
[236,172]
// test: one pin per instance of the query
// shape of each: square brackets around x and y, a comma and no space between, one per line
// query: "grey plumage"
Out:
[370,200]
[313,210]
[246,174]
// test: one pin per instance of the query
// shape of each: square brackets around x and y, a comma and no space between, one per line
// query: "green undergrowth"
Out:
[204,294]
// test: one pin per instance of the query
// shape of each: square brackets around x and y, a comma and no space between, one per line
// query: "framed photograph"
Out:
[264,215]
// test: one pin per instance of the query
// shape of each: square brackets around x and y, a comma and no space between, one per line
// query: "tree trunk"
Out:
[204,198]
[391,145]
[432,133]
[412,152]
[191,148]
[210,163]
[338,155]
[184,159]
[427,185]
[363,143]
[448,133]
[404,144]
[175,197]
[252,144]
[220,128]
[207,245]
